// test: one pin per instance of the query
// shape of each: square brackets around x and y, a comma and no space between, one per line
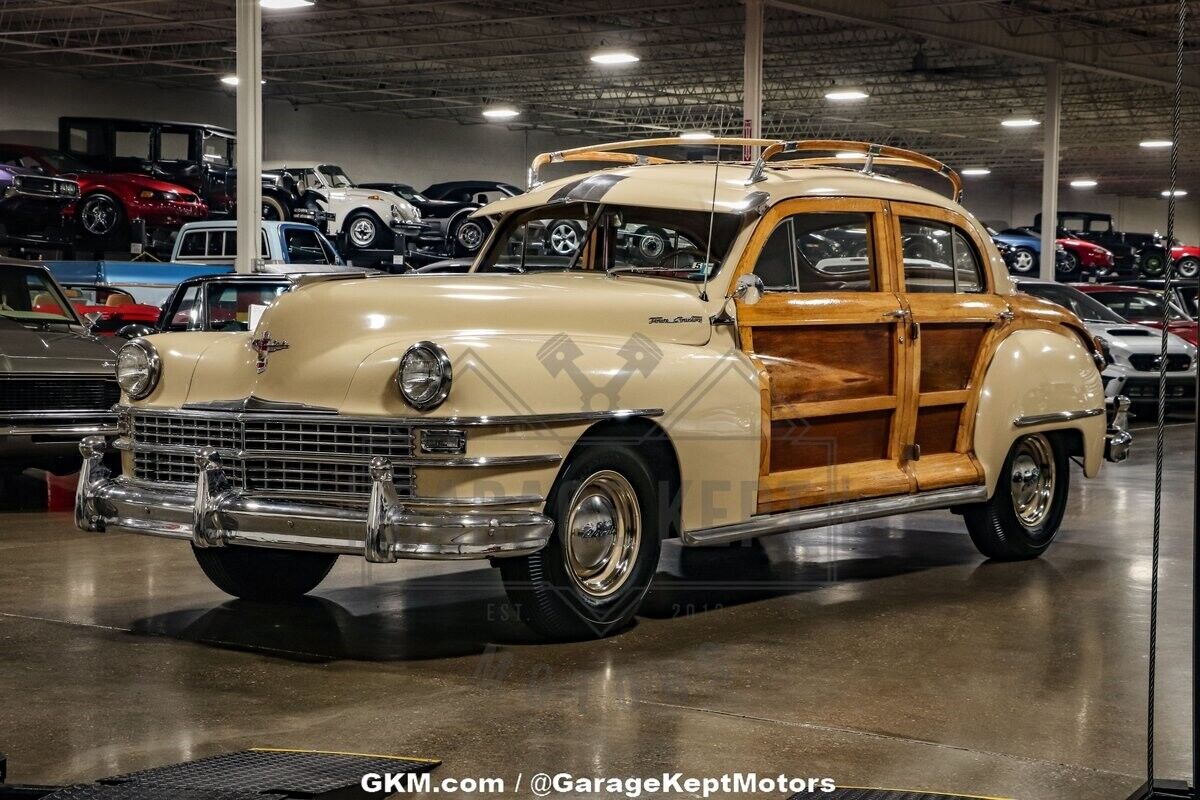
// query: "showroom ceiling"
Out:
[941,75]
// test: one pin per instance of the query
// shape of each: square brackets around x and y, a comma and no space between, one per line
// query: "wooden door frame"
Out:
[877,307]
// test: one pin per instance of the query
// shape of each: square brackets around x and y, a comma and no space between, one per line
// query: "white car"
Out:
[1131,350]
[366,216]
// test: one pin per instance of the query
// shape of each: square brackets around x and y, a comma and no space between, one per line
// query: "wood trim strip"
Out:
[948,398]
[814,486]
[828,408]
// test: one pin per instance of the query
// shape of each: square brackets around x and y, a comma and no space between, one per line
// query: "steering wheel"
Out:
[696,253]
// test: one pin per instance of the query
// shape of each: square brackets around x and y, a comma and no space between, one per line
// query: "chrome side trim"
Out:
[807,518]
[426,422]
[59,430]
[322,458]
[1057,416]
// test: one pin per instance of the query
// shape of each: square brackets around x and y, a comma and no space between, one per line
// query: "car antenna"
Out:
[712,215]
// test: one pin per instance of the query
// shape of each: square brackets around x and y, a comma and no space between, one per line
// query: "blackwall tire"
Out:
[254,573]
[363,230]
[1188,267]
[591,578]
[1023,515]
[1068,266]
[468,235]
[1153,265]
[101,217]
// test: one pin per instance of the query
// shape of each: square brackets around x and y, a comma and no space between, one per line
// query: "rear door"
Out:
[956,317]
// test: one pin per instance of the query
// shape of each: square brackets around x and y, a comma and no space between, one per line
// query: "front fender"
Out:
[1033,373]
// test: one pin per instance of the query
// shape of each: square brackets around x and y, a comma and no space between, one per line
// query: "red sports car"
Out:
[1143,306]
[115,308]
[1187,260]
[107,200]
[1086,256]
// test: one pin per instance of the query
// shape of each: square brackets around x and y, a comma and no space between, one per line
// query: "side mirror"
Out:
[749,289]
[91,320]
[135,330]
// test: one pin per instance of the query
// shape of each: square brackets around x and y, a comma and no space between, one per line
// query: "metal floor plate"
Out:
[292,773]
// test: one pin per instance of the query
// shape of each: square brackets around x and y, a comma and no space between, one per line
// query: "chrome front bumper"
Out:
[214,514]
[1117,439]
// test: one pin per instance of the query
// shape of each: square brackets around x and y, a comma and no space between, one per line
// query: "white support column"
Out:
[249,135]
[1051,123]
[752,76]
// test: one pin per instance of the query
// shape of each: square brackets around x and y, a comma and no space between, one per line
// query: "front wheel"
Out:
[253,573]
[101,216]
[364,230]
[1154,265]
[1068,265]
[468,236]
[1023,514]
[273,209]
[590,579]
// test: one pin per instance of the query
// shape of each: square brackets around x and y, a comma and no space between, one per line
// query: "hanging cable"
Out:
[1168,278]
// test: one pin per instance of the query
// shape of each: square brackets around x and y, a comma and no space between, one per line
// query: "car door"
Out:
[827,337]
[956,317]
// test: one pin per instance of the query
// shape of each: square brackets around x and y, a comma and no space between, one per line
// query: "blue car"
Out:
[1022,251]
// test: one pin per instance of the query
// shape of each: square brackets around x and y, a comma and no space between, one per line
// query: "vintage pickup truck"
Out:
[814,344]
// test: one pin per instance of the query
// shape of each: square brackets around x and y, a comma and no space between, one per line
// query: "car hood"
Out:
[335,329]
[58,349]
[1130,338]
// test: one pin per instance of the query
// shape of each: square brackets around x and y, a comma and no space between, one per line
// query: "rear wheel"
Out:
[273,209]
[1188,267]
[468,236]
[253,573]
[590,579]
[1023,514]
[364,230]
[563,237]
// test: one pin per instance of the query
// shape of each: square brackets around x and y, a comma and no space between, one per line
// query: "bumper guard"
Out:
[1118,439]
[216,514]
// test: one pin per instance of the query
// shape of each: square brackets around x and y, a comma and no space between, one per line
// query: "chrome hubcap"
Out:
[470,235]
[1189,268]
[98,215]
[362,232]
[1023,261]
[564,240]
[1033,480]
[603,530]
[1067,264]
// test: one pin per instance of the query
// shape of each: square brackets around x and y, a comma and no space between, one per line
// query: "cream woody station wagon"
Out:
[730,349]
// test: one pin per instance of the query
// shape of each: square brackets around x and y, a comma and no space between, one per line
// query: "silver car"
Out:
[1132,350]
[57,382]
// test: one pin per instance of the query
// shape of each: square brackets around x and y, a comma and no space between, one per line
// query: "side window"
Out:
[775,266]
[819,252]
[173,146]
[216,245]
[938,258]
[303,246]
[192,244]
[132,144]
[187,312]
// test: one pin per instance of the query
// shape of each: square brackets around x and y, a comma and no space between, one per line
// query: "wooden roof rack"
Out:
[784,153]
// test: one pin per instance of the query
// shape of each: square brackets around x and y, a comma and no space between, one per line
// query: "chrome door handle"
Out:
[1007,315]
[899,313]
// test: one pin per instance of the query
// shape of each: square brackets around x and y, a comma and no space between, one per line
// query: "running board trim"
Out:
[820,517]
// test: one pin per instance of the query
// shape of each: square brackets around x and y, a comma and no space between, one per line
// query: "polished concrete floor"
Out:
[880,654]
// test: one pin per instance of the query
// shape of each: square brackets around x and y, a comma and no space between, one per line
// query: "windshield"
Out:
[28,295]
[335,176]
[586,236]
[1140,306]
[63,162]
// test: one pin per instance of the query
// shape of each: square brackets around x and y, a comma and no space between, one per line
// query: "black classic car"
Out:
[34,207]
[57,382]
[478,192]
[447,228]
[1132,252]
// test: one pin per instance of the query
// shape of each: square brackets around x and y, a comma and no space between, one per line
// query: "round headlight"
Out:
[138,368]
[424,376]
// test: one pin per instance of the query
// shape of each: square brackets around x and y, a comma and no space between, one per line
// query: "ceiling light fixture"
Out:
[847,155]
[232,80]
[501,112]
[843,95]
[1083,183]
[284,5]
[614,57]
[1020,122]
[1154,144]
[973,171]
[1177,192]
[695,135]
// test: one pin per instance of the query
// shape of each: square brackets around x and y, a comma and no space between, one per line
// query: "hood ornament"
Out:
[265,345]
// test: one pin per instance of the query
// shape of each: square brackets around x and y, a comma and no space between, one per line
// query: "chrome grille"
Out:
[57,394]
[273,456]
